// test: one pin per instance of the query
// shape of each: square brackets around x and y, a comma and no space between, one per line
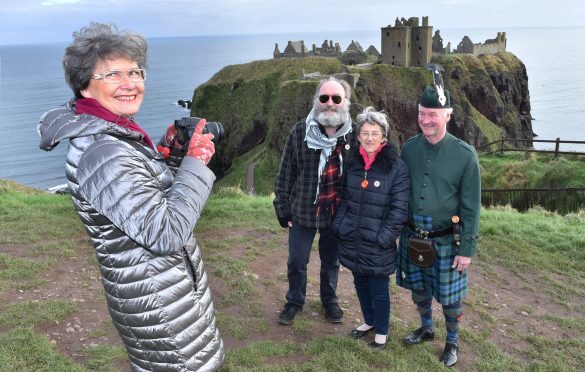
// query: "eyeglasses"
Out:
[136,75]
[370,134]
[324,98]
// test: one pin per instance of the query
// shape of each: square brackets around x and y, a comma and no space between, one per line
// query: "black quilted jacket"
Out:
[370,218]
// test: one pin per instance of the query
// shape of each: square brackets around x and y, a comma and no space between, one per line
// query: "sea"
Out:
[32,82]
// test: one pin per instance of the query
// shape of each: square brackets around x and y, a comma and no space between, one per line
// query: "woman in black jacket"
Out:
[373,209]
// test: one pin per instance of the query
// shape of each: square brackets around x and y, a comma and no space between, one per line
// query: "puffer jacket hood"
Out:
[140,219]
[370,218]
[62,123]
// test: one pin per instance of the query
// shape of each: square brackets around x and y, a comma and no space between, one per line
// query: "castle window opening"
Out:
[399,44]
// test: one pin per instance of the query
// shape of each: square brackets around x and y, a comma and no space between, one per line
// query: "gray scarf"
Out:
[318,141]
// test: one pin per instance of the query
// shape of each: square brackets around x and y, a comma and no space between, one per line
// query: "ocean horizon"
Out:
[32,82]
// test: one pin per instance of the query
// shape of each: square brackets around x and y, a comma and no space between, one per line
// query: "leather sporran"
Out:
[422,252]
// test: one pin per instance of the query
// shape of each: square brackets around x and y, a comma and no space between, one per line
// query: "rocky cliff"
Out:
[258,103]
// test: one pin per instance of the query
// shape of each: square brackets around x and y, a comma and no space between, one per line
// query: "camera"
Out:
[186,126]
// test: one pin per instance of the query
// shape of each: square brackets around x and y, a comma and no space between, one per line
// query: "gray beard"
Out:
[332,119]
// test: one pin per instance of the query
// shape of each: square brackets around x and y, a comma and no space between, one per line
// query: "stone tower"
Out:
[407,43]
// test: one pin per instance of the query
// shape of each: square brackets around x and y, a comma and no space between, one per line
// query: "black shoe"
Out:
[374,345]
[418,336]
[333,313]
[288,314]
[356,333]
[449,357]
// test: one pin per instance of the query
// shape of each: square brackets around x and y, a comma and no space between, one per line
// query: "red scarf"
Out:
[93,107]
[329,197]
[369,160]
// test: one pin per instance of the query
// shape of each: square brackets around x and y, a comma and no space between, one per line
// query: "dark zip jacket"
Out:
[370,218]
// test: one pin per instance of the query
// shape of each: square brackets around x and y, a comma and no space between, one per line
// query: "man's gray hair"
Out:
[343,83]
[97,43]
[446,111]
[369,115]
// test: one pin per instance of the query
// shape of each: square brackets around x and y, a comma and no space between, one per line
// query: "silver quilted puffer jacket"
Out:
[140,218]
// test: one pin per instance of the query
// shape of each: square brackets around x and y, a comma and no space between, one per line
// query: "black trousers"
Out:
[300,240]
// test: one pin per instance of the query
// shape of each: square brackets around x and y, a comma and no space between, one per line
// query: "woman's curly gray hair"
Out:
[96,43]
[369,115]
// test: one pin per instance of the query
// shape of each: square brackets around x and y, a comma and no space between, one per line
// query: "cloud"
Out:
[28,21]
[59,2]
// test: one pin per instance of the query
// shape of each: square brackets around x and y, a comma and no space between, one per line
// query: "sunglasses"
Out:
[324,98]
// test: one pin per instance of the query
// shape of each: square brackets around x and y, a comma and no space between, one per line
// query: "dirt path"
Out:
[77,278]
[250,188]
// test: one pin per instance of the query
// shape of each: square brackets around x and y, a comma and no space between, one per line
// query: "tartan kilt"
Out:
[445,284]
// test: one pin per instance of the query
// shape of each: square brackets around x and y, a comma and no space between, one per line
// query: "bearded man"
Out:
[308,189]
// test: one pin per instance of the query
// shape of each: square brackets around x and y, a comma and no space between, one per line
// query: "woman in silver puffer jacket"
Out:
[139,214]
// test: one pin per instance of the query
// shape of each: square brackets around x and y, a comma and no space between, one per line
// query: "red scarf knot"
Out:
[91,106]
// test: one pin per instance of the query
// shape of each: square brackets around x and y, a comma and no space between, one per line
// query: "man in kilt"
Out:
[444,206]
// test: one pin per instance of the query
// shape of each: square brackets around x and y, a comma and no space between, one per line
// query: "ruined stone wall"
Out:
[485,49]
[491,46]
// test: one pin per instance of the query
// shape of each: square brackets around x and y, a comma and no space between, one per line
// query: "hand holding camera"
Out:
[190,136]
[200,145]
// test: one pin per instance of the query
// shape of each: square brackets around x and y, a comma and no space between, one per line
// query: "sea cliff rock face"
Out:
[259,102]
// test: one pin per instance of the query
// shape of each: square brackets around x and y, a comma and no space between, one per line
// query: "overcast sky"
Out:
[28,21]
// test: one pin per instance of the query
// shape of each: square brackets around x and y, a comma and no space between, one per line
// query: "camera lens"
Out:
[215,128]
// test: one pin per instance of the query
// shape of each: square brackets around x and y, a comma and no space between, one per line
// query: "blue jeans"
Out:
[300,240]
[374,295]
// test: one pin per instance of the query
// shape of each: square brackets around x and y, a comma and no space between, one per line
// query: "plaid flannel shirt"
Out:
[297,179]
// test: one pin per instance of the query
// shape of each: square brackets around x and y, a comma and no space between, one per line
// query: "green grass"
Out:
[29,216]
[104,357]
[490,130]
[518,170]
[534,246]
[542,242]
[25,314]
[531,170]
[231,208]
[20,273]
[227,210]
[12,268]
[25,350]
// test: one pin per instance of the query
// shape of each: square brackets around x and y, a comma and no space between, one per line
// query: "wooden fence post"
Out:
[557,145]
[502,146]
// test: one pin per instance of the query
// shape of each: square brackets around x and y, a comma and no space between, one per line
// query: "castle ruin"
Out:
[438,44]
[327,49]
[298,49]
[491,46]
[407,43]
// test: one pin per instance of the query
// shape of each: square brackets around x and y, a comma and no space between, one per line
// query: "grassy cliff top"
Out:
[284,68]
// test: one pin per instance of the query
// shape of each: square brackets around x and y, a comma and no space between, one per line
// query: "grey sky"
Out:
[28,21]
